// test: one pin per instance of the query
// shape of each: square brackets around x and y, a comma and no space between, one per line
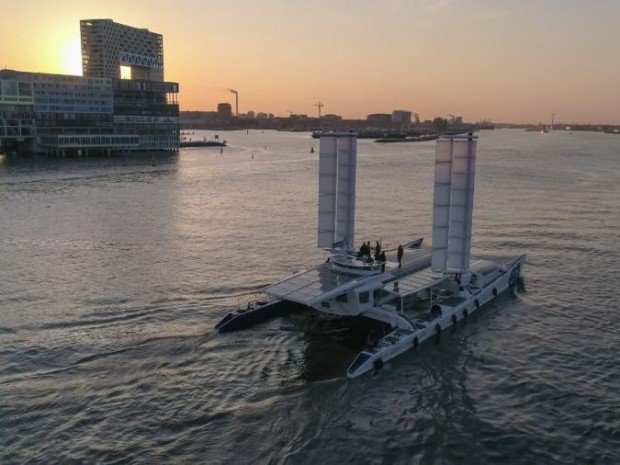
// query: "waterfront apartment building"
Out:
[100,111]
[16,109]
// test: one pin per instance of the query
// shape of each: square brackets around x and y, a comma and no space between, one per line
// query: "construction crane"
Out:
[320,105]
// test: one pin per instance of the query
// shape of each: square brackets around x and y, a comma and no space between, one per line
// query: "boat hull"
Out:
[444,316]
[255,314]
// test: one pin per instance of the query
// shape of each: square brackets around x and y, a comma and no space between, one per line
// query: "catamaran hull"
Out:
[402,338]
[258,313]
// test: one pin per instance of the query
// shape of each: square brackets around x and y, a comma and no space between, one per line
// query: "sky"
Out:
[502,60]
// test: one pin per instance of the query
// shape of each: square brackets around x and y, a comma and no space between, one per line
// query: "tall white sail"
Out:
[337,169]
[462,203]
[453,202]
[327,191]
[345,190]
[441,203]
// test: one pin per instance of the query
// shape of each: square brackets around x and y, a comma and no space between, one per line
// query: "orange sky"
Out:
[508,61]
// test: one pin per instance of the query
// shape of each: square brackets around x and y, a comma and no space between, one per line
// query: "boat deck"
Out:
[323,282]
[412,283]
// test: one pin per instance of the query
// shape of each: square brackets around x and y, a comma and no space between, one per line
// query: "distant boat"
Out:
[373,134]
[540,129]
[421,138]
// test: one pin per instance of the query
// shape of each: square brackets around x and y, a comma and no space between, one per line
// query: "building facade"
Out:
[98,111]
[224,110]
[17,122]
[401,117]
[108,46]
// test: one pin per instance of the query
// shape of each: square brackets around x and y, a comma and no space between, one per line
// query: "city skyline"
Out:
[515,62]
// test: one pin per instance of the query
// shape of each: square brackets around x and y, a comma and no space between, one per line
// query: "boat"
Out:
[415,293]
[540,129]
[361,134]
[420,138]
[373,134]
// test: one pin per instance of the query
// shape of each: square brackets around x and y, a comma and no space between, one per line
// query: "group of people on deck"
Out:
[366,252]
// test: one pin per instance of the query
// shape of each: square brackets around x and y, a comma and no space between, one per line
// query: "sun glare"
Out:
[125,72]
[71,56]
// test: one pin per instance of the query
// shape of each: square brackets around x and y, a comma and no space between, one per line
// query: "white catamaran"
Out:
[418,296]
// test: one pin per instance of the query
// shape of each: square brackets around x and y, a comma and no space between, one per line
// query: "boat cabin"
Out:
[483,272]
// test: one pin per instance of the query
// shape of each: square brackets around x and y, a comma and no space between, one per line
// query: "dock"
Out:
[203,143]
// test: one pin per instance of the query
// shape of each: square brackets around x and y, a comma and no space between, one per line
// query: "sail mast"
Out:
[453,201]
[328,147]
[337,173]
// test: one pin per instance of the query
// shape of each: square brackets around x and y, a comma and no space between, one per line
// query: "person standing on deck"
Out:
[364,250]
[382,258]
[400,255]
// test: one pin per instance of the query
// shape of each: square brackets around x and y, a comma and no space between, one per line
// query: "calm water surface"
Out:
[114,272]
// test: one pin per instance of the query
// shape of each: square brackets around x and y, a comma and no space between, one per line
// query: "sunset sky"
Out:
[503,60]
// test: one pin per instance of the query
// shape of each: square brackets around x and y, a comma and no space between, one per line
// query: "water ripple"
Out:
[114,275]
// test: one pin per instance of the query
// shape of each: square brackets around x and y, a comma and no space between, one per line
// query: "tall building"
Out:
[379,119]
[401,117]
[98,111]
[224,110]
[107,46]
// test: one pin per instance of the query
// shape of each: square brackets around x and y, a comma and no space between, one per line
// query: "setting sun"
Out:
[71,56]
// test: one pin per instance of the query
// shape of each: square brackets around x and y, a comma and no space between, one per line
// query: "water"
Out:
[114,273]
